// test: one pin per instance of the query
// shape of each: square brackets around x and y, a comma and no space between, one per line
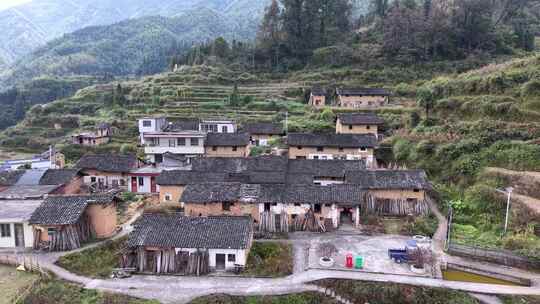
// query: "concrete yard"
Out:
[374,250]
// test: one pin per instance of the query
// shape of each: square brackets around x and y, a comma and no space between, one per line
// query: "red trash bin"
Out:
[349,261]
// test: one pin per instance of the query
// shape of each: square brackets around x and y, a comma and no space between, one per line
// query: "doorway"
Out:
[220,261]
[19,235]
[346,217]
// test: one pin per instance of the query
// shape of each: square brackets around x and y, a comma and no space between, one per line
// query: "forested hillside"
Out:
[29,26]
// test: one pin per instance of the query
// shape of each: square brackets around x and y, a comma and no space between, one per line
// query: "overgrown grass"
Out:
[391,293]
[520,299]
[60,292]
[96,262]
[302,298]
[270,259]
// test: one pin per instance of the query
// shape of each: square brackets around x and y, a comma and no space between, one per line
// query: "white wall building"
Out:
[15,231]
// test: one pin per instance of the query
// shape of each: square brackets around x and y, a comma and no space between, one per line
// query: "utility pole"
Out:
[507,191]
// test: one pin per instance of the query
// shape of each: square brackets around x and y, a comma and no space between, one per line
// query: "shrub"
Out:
[531,88]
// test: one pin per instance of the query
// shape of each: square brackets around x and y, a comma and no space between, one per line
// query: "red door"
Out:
[153,187]
[134,184]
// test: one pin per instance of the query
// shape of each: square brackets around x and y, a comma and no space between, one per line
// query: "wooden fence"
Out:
[30,263]
[503,257]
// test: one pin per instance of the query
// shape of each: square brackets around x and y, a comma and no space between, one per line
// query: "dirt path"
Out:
[531,203]
[532,174]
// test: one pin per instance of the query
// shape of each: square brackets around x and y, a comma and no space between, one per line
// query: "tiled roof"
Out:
[182,177]
[103,125]
[324,168]
[312,194]
[177,231]
[389,179]
[363,92]
[18,210]
[360,119]
[227,139]
[58,176]
[332,140]
[30,177]
[318,91]
[9,178]
[239,164]
[264,128]
[27,191]
[108,162]
[66,210]
[211,193]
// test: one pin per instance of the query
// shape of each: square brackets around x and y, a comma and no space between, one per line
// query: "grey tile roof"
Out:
[318,91]
[108,162]
[313,194]
[9,178]
[240,164]
[332,140]
[27,191]
[264,128]
[389,179]
[324,168]
[66,210]
[226,139]
[360,119]
[58,176]
[18,210]
[182,177]
[177,231]
[211,193]
[363,92]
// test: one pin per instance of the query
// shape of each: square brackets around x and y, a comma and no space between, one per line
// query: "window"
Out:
[317,208]
[299,147]
[141,181]
[168,197]
[266,207]
[172,143]
[231,258]
[416,190]
[320,149]
[315,157]
[297,205]
[194,141]
[368,127]
[115,183]
[51,231]
[340,149]
[224,129]
[147,123]
[294,216]
[93,179]
[214,148]
[235,149]
[363,149]
[5,230]
[300,157]
[158,158]
[181,141]
[226,206]
[122,182]
[350,127]
[328,205]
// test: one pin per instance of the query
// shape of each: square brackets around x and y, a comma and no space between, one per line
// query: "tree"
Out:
[269,36]
[234,98]
[425,99]
[221,48]
[379,7]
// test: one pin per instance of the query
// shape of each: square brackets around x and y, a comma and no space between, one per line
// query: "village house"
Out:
[359,123]
[261,133]
[9,178]
[217,126]
[28,192]
[320,172]
[66,181]
[177,244]
[333,146]
[409,185]
[317,98]
[101,136]
[362,98]
[50,159]
[172,183]
[143,180]
[63,223]
[227,145]
[15,230]
[103,172]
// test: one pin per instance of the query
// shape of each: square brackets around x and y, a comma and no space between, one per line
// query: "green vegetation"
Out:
[14,283]
[520,299]
[60,292]
[97,262]
[269,259]
[303,298]
[389,293]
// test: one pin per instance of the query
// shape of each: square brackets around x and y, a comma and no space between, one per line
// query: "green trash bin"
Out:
[359,262]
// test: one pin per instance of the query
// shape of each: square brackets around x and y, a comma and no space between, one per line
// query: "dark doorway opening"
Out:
[220,261]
